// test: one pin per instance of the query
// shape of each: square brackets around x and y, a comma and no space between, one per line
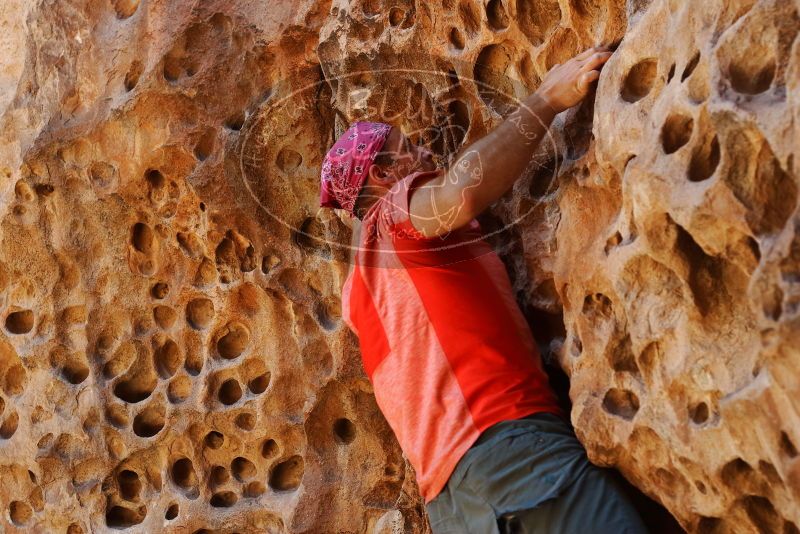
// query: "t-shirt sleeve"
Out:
[395,205]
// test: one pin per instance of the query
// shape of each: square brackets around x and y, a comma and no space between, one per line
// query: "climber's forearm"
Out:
[491,166]
[483,172]
[488,168]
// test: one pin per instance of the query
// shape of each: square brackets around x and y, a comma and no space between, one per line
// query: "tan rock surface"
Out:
[172,354]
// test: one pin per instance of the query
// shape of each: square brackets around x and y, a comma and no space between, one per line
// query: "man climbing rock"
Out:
[454,366]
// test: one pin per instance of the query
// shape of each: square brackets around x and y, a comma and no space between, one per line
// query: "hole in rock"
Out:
[762,513]
[246,421]
[121,517]
[19,322]
[235,122]
[496,15]
[76,368]
[710,525]
[705,159]
[194,362]
[183,474]
[597,305]
[707,276]
[612,242]
[149,421]
[230,392]
[538,18]
[577,347]
[371,8]
[777,188]
[310,237]
[191,246]
[168,358]
[769,194]
[769,471]
[621,357]
[457,39]
[344,430]
[772,305]
[288,160]
[129,484]
[117,416]
[288,474]
[179,389]
[496,89]
[133,75]
[16,378]
[205,145]
[787,447]
[254,489]
[269,448]
[564,45]
[199,313]
[136,389]
[172,512]
[689,69]
[737,474]
[542,179]
[269,262]
[125,8]
[159,290]
[671,73]
[249,262]
[639,81]
[46,441]
[259,384]
[234,341]
[325,316]
[164,316]
[396,16]
[621,402]
[20,512]
[74,528]
[155,179]
[214,439]
[676,132]
[9,426]
[243,469]
[699,413]
[219,475]
[750,78]
[142,238]
[223,499]
[202,206]
[102,173]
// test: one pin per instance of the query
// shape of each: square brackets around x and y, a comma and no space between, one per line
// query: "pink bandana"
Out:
[346,164]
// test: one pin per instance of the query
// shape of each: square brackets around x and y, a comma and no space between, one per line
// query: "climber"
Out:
[454,367]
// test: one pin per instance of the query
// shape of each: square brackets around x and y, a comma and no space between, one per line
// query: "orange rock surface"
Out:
[172,356]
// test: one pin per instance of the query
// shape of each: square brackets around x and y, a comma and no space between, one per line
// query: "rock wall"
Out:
[173,357]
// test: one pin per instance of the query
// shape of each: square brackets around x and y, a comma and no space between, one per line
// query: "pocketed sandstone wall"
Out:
[173,357]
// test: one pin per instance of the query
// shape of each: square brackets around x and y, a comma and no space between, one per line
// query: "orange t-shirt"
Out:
[442,338]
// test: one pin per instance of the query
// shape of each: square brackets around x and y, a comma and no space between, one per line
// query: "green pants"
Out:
[531,476]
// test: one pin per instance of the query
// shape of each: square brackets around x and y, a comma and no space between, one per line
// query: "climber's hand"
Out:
[565,85]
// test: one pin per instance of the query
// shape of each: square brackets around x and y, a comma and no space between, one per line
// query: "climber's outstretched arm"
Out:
[489,166]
